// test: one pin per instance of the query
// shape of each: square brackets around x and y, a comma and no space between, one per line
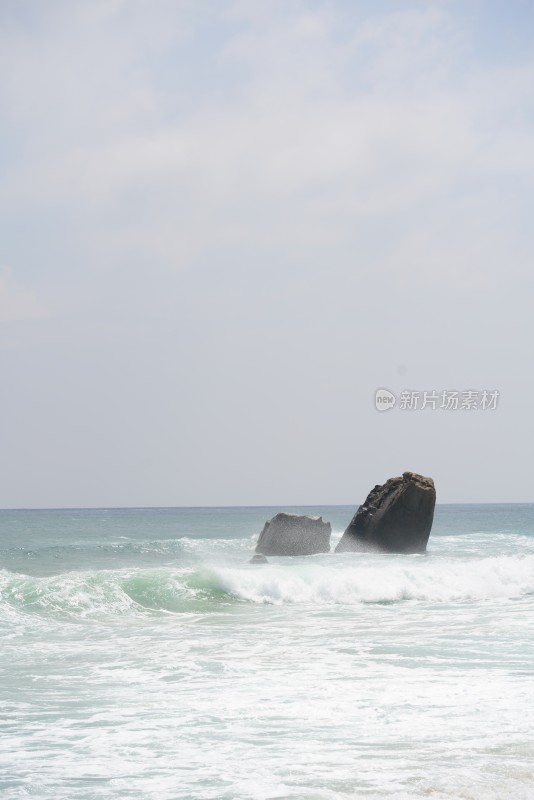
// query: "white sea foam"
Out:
[382,581]
[174,669]
[330,581]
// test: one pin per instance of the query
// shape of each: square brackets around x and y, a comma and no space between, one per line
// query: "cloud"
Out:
[324,123]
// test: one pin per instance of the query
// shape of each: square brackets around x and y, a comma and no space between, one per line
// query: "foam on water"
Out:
[102,595]
[345,581]
[382,582]
[137,665]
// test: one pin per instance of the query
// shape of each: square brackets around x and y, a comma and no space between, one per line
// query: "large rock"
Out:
[396,517]
[294,535]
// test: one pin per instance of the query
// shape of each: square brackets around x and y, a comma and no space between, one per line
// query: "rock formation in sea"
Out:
[294,535]
[396,517]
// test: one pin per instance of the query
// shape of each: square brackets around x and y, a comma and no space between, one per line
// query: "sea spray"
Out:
[380,580]
[350,581]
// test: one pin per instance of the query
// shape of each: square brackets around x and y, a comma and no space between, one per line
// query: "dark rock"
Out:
[258,558]
[294,535]
[396,517]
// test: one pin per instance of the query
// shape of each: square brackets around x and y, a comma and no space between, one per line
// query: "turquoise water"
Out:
[143,657]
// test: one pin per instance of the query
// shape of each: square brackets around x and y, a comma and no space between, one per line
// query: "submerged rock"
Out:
[294,535]
[396,517]
[258,558]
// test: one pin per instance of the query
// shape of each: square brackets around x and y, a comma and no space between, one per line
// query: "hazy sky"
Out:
[224,225]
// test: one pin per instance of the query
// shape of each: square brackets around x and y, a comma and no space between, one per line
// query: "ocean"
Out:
[142,656]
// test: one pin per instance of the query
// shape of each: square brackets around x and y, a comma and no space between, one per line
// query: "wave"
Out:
[91,594]
[384,581]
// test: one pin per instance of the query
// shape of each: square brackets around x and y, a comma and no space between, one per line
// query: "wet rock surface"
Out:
[294,535]
[396,517]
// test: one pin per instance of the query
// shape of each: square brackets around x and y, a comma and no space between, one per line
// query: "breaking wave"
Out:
[207,588]
[391,582]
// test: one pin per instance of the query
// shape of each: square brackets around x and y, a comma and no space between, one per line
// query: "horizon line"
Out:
[231,507]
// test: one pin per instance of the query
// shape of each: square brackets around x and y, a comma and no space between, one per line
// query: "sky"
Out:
[224,224]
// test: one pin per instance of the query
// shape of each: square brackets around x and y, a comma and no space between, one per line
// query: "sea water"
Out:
[143,657]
